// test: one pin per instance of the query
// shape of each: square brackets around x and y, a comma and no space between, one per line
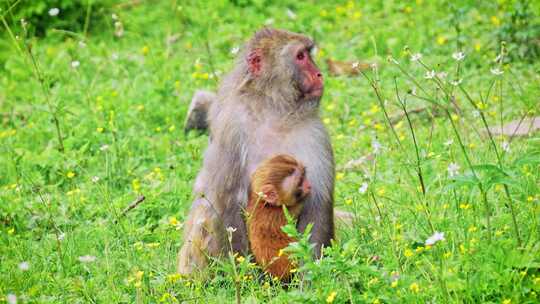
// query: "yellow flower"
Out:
[481,105]
[293,270]
[408,253]
[530,198]
[394,284]
[140,107]
[100,130]
[380,192]
[408,9]
[165,297]
[376,301]
[171,128]
[414,287]
[495,20]
[472,229]
[331,297]
[374,109]
[357,15]
[323,13]
[419,249]
[152,245]
[240,259]
[173,278]
[173,221]
[136,184]
[441,40]
[145,50]
[326,121]
[177,84]
[447,254]
[348,201]
[507,301]
[11,231]
[464,206]
[114,93]
[477,46]
[70,174]
[280,252]
[340,176]
[454,117]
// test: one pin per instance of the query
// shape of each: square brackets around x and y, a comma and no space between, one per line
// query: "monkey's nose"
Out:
[319,75]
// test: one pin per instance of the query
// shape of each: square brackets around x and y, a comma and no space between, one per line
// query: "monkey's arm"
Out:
[197,115]
[319,206]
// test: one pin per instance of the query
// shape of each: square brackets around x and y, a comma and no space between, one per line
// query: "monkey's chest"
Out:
[264,144]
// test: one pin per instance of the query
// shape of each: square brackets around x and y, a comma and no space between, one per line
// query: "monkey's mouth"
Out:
[312,93]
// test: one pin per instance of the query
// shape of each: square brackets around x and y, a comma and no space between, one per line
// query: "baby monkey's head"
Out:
[282,181]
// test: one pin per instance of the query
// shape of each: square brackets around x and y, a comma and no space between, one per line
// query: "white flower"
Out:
[456,82]
[95,179]
[114,16]
[75,64]
[82,44]
[61,236]
[416,57]
[496,71]
[114,56]
[104,148]
[413,91]
[458,56]
[54,11]
[442,75]
[373,66]
[235,50]
[231,229]
[448,142]
[498,58]
[290,14]
[355,65]
[376,146]
[11,298]
[505,146]
[453,169]
[87,259]
[363,188]
[430,74]
[476,114]
[118,29]
[436,237]
[24,266]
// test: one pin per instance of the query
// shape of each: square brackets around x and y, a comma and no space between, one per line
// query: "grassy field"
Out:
[92,117]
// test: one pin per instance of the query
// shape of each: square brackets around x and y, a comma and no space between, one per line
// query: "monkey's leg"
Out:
[204,237]
[198,111]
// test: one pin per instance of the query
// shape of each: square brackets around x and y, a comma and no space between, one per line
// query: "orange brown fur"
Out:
[266,219]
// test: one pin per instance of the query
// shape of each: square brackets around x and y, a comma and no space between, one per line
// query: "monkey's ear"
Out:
[254,62]
[270,193]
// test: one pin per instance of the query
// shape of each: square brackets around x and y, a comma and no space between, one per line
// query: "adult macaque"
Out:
[267,105]
[278,181]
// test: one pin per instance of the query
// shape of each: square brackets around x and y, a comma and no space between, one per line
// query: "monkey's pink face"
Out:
[309,77]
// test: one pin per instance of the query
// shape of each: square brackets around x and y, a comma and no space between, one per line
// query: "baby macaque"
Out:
[278,181]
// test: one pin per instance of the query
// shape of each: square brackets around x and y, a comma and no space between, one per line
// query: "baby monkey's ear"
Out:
[270,193]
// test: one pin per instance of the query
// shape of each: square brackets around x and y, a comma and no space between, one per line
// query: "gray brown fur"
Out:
[251,119]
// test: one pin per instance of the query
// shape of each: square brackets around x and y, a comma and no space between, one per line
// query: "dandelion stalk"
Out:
[39,76]
[236,278]
[409,123]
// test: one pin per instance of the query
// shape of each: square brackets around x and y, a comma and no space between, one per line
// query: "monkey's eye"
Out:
[300,56]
